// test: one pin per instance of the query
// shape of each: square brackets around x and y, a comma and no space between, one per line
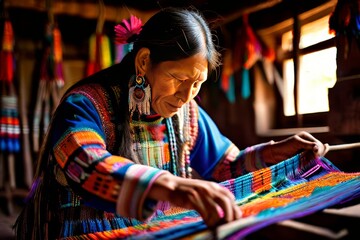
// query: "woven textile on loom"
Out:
[289,189]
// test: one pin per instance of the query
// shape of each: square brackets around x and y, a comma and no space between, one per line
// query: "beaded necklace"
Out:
[181,130]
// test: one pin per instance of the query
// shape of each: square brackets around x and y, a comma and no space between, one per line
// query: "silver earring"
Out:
[139,96]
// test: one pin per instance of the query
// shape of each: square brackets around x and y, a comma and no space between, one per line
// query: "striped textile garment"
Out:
[289,189]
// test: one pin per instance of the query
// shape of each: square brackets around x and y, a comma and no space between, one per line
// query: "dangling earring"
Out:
[139,95]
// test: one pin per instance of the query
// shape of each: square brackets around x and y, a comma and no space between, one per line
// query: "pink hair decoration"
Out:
[125,30]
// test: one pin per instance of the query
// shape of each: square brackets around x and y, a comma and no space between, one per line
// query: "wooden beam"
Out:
[80,9]
[305,17]
[313,48]
[117,13]
[250,8]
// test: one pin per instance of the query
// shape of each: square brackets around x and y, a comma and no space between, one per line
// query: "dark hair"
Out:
[174,34]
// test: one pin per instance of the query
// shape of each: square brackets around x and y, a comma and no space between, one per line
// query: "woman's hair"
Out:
[173,34]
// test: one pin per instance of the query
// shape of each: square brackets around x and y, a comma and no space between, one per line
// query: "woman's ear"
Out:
[142,60]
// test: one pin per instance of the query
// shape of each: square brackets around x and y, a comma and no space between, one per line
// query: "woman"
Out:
[131,137]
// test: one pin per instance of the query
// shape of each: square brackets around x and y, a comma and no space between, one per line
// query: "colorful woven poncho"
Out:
[287,190]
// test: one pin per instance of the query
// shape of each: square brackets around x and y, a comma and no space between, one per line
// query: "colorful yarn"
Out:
[9,115]
[51,83]
[6,54]
[9,125]
[100,55]
[58,69]
[245,83]
[287,190]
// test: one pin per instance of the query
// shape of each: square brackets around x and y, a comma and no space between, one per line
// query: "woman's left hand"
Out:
[303,141]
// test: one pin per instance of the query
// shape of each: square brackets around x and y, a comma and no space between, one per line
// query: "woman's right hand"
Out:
[213,202]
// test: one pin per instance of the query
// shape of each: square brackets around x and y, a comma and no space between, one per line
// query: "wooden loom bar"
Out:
[344,146]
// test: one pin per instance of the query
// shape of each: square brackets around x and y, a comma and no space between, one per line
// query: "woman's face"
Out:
[174,83]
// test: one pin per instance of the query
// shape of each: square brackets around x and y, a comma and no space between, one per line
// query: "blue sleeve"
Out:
[210,146]
[103,180]
[215,157]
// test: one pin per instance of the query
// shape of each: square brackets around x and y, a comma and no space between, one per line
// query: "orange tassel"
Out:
[57,45]
[6,56]
[8,38]
[58,71]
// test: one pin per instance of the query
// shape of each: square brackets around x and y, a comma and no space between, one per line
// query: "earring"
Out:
[139,95]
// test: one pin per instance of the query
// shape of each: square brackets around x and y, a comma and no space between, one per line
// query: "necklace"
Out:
[181,131]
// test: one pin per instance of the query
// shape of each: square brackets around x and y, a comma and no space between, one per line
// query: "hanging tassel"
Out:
[100,55]
[245,84]
[106,59]
[58,69]
[90,68]
[8,37]
[98,38]
[230,94]
[50,84]
[225,82]
[227,70]
[253,47]
[9,117]
[7,59]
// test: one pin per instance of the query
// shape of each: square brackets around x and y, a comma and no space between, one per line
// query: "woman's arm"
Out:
[216,158]
[103,180]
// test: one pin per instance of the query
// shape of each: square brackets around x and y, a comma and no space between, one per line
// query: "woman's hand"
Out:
[212,201]
[303,141]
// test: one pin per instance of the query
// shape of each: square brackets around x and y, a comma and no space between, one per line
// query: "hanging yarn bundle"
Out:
[125,32]
[246,52]
[100,46]
[99,53]
[50,84]
[10,124]
[251,55]
[227,80]
[9,115]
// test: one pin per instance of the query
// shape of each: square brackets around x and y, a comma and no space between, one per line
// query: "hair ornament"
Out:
[127,29]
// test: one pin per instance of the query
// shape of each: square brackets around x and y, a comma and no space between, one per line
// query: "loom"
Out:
[291,189]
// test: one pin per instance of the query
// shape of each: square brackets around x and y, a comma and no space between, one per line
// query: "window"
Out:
[317,69]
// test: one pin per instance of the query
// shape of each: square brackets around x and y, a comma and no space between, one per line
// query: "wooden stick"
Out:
[12,170]
[344,146]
